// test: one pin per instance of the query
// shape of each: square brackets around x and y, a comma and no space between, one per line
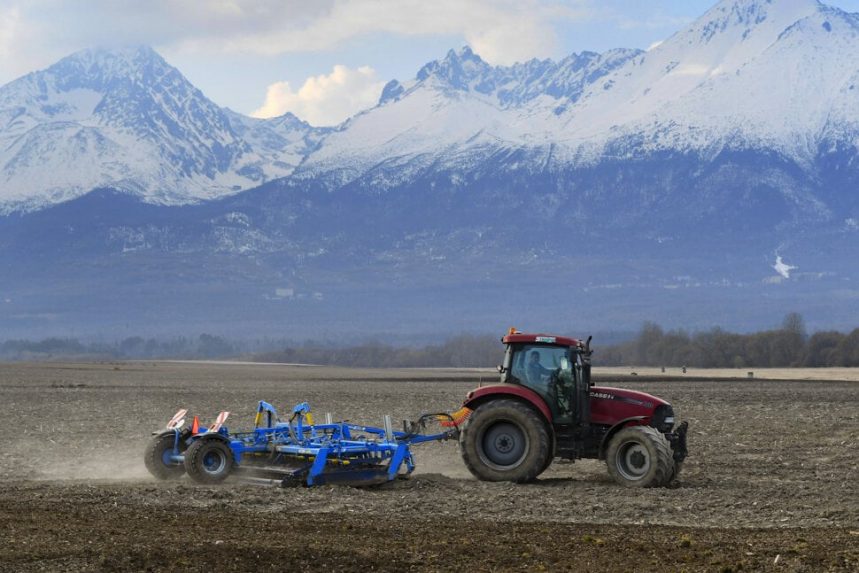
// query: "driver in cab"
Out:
[538,375]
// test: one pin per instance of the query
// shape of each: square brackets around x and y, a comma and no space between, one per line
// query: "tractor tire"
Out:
[675,471]
[505,440]
[639,456]
[209,461]
[155,457]
[549,459]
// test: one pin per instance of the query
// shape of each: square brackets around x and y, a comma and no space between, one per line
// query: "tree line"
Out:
[786,346]
[783,347]
[134,347]
[464,351]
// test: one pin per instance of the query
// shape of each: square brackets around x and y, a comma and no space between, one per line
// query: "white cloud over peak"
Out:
[501,31]
[324,99]
[8,27]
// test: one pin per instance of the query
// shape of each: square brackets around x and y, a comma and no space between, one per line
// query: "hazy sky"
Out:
[326,59]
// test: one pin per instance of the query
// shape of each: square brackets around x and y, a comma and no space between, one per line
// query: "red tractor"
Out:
[546,407]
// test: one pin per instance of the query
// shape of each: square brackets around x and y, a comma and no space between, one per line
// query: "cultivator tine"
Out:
[389,429]
[178,420]
[219,421]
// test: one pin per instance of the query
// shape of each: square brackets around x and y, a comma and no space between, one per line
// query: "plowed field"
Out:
[770,484]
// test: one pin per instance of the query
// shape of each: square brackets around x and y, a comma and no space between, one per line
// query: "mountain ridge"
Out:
[127,119]
[711,179]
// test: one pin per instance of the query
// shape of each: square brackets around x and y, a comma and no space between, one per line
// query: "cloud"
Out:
[501,31]
[9,22]
[324,99]
[783,268]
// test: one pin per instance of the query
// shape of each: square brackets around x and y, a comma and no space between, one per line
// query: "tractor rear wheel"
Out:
[157,457]
[209,461]
[639,456]
[505,440]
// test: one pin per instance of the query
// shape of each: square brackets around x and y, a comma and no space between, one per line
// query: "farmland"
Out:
[770,482]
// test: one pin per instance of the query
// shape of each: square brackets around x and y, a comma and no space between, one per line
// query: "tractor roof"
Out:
[521,337]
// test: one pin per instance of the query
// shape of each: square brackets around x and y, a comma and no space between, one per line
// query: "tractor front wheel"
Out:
[209,461]
[158,454]
[639,456]
[505,440]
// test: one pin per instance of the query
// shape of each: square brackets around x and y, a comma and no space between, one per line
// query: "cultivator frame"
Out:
[295,452]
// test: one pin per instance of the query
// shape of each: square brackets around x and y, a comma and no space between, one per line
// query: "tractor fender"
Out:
[606,439]
[511,391]
[486,393]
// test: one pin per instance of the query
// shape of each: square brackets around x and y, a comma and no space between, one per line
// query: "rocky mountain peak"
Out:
[103,69]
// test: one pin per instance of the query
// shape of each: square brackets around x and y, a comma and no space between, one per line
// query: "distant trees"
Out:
[464,351]
[204,346]
[787,346]
[47,347]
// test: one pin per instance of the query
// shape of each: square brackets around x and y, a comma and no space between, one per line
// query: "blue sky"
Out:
[325,59]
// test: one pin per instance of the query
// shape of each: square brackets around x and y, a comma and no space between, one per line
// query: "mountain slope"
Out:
[775,79]
[710,180]
[459,110]
[747,74]
[128,120]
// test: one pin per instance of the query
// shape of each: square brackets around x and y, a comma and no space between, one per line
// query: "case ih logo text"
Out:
[602,395]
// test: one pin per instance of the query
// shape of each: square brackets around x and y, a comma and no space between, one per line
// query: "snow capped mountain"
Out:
[280,143]
[776,76]
[644,184]
[126,119]
[747,74]
[458,110]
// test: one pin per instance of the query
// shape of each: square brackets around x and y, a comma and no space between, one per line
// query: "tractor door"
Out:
[548,370]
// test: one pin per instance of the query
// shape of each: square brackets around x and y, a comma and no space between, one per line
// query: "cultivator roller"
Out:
[292,452]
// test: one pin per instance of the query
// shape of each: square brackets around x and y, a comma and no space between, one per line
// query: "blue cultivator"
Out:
[293,452]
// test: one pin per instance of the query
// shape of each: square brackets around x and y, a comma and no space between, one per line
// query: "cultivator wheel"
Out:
[157,457]
[209,460]
[639,456]
[505,440]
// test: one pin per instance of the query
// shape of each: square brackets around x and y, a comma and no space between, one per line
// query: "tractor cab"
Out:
[555,367]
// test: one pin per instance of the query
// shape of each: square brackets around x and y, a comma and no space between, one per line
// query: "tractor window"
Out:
[548,370]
